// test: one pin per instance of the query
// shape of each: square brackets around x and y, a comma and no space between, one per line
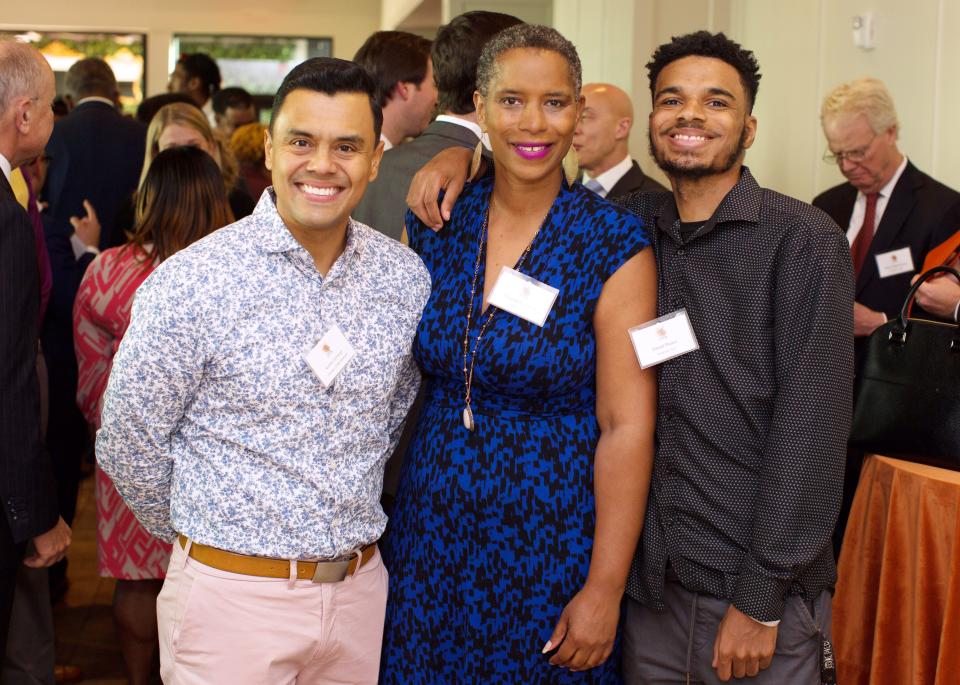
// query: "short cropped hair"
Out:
[532,36]
[329,75]
[21,72]
[202,66]
[391,57]
[706,44]
[455,53]
[225,98]
[91,76]
[866,96]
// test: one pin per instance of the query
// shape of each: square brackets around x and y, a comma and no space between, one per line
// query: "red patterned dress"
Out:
[101,315]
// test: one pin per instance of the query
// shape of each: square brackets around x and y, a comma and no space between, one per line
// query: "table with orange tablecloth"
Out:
[896,612]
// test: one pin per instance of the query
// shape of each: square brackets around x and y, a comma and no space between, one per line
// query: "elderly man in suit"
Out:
[454,54]
[30,523]
[601,143]
[893,214]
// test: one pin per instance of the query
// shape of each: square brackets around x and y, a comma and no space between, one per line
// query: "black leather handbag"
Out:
[908,389]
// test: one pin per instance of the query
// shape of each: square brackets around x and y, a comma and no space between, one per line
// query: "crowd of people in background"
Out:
[226,317]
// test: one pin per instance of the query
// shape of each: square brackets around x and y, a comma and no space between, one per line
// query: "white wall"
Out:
[805,48]
[348,23]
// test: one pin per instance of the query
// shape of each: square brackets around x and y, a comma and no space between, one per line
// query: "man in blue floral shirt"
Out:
[256,395]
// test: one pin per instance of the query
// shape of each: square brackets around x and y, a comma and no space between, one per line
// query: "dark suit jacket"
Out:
[633,181]
[96,154]
[384,204]
[27,493]
[920,214]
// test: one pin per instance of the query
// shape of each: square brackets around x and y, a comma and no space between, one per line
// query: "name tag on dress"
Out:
[895,262]
[665,338]
[523,296]
[330,355]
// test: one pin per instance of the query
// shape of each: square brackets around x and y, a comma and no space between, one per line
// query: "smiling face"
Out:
[530,113]
[322,153]
[700,124]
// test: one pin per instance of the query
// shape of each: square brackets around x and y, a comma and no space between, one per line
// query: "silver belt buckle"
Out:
[330,571]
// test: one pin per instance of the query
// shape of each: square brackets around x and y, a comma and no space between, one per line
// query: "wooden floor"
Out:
[83,621]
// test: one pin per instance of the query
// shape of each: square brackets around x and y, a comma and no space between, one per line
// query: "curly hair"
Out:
[706,44]
[247,143]
[527,36]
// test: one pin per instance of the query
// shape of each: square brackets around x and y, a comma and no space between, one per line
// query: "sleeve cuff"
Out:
[762,598]
[80,248]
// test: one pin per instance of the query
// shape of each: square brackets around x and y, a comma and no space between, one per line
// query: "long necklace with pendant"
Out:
[468,370]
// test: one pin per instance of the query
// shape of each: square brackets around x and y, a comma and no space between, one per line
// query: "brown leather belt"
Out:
[266,567]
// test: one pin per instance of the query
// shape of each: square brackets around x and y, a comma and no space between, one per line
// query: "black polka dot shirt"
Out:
[752,427]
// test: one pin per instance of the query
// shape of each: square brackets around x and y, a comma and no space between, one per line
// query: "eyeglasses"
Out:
[855,156]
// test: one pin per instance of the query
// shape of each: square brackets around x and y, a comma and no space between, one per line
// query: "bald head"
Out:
[27,91]
[604,130]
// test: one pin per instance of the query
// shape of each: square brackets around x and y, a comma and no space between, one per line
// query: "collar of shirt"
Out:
[210,114]
[387,145]
[609,178]
[474,127]
[860,204]
[742,203]
[96,98]
[276,237]
[6,167]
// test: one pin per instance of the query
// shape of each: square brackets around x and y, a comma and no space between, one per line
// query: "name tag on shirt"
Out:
[665,338]
[895,262]
[330,355]
[523,296]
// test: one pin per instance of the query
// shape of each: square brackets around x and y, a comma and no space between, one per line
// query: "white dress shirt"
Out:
[860,206]
[387,145]
[6,167]
[611,176]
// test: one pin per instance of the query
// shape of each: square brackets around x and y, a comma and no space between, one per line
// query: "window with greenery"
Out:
[255,63]
[124,52]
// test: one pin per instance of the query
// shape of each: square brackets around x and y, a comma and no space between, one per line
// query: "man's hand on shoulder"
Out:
[743,647]
[447,171]
[50,547]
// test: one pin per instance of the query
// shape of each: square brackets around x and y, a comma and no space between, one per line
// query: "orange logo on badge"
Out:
[893,258]
[325,349]
[662,332]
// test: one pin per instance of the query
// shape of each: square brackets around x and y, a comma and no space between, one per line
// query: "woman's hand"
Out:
[447,171]
[587,629]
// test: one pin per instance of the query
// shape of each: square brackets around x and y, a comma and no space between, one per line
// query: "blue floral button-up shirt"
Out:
[213,424]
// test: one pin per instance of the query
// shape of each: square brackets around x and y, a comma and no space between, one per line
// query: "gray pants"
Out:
[676,645]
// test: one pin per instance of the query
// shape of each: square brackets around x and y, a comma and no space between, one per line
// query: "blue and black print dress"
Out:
[493,529]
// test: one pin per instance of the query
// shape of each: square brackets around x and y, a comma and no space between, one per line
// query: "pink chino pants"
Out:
[220,627]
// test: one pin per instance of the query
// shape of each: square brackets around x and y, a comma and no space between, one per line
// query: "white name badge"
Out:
[665,338]
[895,262]
[330,355]
[523,296]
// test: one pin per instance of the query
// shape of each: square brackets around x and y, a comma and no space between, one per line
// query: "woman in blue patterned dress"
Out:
[523,491]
